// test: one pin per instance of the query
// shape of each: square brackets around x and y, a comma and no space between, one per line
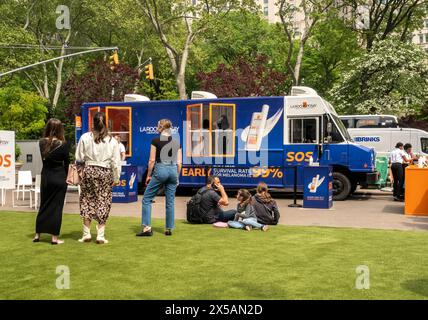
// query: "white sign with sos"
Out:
[7,159]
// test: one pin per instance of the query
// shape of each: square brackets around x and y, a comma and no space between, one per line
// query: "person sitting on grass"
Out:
[213,198]
[266,208]
[245,217]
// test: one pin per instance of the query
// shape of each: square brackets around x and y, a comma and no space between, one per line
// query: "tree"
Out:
[313,11]
[396,76]
[99,83]
[328,53]
[379,20]
[245,78]
[37,19]
[241,34]
[23,112]
[178,23]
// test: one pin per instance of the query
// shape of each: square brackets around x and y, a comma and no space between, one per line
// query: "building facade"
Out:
[420,37]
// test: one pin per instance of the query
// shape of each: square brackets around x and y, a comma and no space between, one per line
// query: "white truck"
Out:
[383,140]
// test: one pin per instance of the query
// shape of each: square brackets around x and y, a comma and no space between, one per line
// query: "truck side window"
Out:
[303,131]
[346,122]
[424,145]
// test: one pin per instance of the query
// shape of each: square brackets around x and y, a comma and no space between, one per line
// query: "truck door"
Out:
[303,139]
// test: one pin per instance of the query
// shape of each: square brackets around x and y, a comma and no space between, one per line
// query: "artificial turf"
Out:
[201,262]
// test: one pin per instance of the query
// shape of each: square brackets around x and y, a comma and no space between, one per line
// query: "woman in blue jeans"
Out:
[164,168]
[245,217]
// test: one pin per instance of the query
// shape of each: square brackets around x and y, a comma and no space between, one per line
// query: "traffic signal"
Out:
[149,71]
[114,59]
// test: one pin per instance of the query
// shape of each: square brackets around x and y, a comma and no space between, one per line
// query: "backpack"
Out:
[194,214]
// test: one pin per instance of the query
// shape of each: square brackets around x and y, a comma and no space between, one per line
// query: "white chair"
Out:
[36,191]
[24,180]
[3,197]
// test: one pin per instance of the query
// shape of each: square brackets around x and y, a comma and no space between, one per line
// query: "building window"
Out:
[266,10]
[421,38]
[426,23]
[29,158]
[194,2]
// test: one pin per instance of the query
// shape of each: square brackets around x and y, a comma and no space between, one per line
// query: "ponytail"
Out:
[263,192]
[100,130]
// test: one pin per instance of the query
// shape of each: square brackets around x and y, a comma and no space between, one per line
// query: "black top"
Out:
[166,149]
[57,156]
[209,200]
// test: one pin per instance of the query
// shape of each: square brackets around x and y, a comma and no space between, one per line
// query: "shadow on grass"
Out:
[418,286]
[74,235]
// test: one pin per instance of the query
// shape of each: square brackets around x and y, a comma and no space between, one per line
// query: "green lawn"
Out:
[201,262]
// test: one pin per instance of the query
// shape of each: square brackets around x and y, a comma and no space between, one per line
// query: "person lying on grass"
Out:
[245,216]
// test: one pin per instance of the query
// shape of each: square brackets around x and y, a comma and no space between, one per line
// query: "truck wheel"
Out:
[341,186]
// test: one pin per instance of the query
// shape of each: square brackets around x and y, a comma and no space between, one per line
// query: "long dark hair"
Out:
[100,130]
[263,192]
[53,130]
[246,196]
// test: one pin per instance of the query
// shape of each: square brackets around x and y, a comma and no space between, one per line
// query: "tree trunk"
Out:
[298,65]
[59,69]
[46,83]
[58,81]
[181,85]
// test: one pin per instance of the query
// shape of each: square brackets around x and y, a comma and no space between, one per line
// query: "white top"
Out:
[397,155]
[408,156]
[122,148]
[104,154]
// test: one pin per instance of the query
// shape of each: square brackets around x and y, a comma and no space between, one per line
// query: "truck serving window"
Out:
[91,112]
[303,130]
[424,145]
[119,122]
[210,130]
[197,134]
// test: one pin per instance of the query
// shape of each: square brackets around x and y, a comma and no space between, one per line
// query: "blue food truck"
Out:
[243,140]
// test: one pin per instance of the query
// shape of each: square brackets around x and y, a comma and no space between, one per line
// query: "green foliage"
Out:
[392,78]
[159,89]
[328,54]
[17,152]
[222,35]
[22,111]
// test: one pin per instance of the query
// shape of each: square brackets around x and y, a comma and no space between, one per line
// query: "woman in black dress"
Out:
[54,151]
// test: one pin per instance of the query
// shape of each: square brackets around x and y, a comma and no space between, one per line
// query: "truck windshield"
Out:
[424,145]
[341,127]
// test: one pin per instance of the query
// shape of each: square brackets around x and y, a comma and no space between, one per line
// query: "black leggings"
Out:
[398,175]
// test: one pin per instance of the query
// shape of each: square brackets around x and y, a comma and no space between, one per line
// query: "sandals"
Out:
[147,233]
[57,242]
